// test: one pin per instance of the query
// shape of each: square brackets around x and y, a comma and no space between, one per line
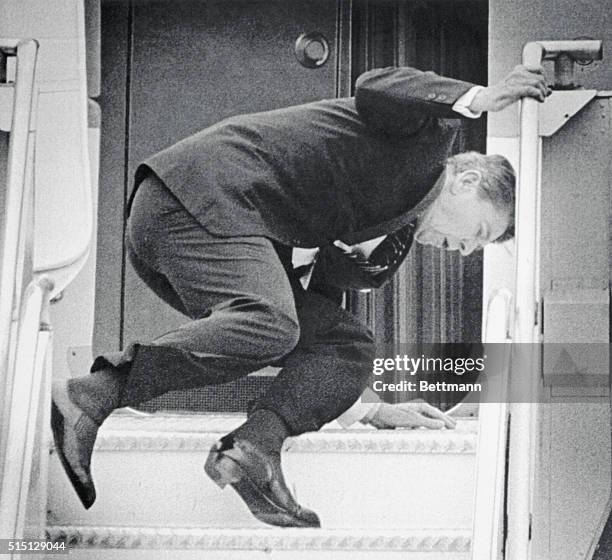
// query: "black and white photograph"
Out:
[305,279]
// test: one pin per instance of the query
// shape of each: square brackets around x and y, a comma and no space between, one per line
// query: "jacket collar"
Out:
[403,219]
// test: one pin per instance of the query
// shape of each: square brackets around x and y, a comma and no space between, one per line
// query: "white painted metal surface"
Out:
[560,107]
[526,327]
[23,414]
[132,543]
[524,429]
[63,209]
[21,348]
[47,230]
[492,427]
[149,472]
[571,458]
[17,195]
[73,315]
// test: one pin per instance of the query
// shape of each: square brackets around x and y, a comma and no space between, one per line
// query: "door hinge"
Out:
[539,316]
[530,522]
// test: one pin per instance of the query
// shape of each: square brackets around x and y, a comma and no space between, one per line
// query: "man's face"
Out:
[460,219]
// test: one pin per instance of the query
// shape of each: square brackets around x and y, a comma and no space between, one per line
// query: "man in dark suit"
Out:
[217,223]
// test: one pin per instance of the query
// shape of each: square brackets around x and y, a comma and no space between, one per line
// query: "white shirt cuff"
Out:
[359,411]
[462,104]
[302,257]
[366,248]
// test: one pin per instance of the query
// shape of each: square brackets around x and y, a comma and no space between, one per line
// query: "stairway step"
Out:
[149,472]
[135,543]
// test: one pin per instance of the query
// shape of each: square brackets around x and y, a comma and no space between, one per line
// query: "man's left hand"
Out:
[414,414]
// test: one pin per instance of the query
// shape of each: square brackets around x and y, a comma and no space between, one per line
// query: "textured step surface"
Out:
[108,543]
[149,473]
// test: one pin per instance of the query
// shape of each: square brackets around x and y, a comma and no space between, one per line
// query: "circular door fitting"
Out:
[312,49]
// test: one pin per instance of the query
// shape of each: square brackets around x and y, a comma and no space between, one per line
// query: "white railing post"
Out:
[21,346]
[19,153]
[23,413]
[525,331]
[487,521]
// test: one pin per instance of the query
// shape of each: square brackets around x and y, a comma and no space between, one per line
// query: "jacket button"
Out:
[431,96]
[442,97]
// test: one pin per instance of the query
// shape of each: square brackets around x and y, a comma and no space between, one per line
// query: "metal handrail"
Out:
[29,367]
[18,153]
[525,321]
[17,319]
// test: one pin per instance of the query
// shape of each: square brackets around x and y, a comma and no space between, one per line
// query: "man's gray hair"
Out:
[498,182]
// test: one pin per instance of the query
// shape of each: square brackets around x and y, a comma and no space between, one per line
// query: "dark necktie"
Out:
[390,252]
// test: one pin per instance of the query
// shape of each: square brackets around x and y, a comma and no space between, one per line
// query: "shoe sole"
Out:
[224,470]
[57,428]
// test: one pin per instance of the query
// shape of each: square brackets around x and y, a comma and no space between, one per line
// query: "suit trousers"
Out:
[247,311]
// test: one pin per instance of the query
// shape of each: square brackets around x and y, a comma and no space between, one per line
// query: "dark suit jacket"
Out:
[349,168]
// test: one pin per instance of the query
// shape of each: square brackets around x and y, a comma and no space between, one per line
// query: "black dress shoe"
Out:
[74,434]
[258,479]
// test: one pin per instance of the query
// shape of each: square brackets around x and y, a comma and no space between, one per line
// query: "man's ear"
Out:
[466,181]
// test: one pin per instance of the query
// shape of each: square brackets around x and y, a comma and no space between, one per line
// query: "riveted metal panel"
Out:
[573,479]
[576,202]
